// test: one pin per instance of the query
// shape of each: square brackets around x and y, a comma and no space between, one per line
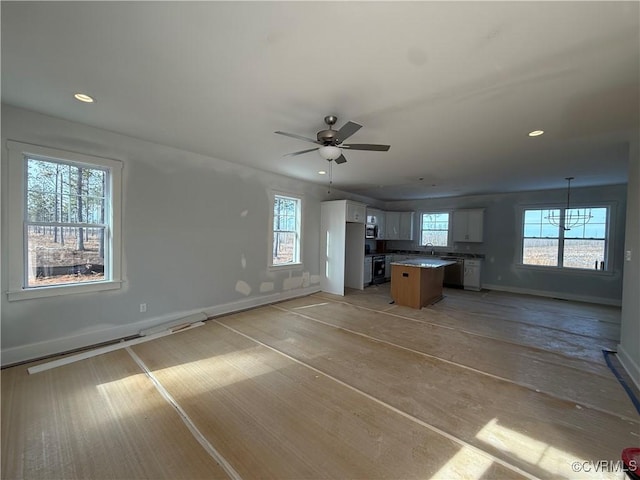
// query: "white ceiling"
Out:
[453,87]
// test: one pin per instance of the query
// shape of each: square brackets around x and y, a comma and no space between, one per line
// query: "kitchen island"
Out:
[417,282]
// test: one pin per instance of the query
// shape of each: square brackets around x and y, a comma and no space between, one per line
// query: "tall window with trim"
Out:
[434,229]
[64,222]
[286,230]
[581,246]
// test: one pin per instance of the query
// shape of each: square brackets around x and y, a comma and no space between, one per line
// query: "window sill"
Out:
[54,291]
[286,266]
[565,270]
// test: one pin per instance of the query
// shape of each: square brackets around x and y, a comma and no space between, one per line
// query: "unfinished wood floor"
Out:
[481,385]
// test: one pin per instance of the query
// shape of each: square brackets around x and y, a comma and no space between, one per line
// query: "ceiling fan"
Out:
[330,141]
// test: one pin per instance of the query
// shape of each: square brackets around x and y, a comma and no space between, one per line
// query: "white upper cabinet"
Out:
[398,226]
[375,216]
[392,226]
[406,225]
[468,225]
[356,212]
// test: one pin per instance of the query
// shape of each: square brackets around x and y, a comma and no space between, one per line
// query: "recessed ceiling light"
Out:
[83,97]
[536,133]
[322,172]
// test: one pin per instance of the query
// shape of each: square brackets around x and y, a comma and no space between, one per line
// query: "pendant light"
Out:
[570,218]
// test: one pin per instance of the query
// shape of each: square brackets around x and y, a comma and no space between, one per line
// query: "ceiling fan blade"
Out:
[366,146]
[299,137]
[340,160]
[300,152]
[347,130]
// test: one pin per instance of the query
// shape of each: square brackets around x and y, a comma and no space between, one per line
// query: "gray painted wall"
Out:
[501,242]
[629,348]
[193,227]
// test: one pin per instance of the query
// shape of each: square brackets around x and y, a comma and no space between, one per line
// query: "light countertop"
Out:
[424,262]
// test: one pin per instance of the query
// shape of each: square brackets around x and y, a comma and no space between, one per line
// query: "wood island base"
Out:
[416,287]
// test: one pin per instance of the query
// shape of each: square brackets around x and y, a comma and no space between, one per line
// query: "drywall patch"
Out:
[266,287]
[244,213]
[291,283]
[243,261]
[305,279]
[243,288]
[314,279]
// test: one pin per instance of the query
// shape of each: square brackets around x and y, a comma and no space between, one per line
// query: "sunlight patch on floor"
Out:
[115,389]
[208,373]
[468,463]
[536,452]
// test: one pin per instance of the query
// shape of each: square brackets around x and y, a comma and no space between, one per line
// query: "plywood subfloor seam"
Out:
[404,414]
[468,332]
[445,310]
[202,440]
[519,307]
[466,367]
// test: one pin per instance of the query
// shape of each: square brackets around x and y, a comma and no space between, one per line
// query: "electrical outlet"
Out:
[143,307]
[627,255]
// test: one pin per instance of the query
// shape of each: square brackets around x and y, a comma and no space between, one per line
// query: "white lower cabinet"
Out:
[367,270]
[387,266]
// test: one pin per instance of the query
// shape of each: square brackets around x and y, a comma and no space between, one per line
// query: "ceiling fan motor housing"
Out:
[328,137]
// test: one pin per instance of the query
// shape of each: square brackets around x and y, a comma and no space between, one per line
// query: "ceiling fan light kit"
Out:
[329,152]
[330,141]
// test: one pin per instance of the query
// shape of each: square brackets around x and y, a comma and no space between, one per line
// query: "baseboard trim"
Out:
[37,350]
[564,296]
[632,368]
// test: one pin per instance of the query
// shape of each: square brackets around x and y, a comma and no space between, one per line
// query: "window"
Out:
[286,230]
[64,222]
[583,247]
[434,229]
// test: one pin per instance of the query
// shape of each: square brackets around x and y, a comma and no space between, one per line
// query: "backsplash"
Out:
[461,249]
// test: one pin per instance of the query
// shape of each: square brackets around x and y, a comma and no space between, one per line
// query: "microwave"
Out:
[371,231]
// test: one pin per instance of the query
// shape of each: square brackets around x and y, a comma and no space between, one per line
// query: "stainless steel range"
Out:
[378,269]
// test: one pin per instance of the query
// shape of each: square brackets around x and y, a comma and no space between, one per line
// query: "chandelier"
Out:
[572,217]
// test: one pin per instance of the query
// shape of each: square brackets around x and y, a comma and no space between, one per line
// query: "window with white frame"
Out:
[286,230]
[545,242]
[65,222]
[434,229]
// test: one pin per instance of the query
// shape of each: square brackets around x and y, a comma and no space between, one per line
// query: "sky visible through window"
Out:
[581,246]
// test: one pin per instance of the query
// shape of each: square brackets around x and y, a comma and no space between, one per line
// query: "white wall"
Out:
[193,228]
[501,243]
[629,348]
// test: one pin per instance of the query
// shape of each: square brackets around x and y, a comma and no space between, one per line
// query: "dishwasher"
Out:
[472,274]
[454,274]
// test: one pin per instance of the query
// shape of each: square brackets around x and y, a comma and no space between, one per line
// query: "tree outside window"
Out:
[65,223]
[286,230]
[434,229]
